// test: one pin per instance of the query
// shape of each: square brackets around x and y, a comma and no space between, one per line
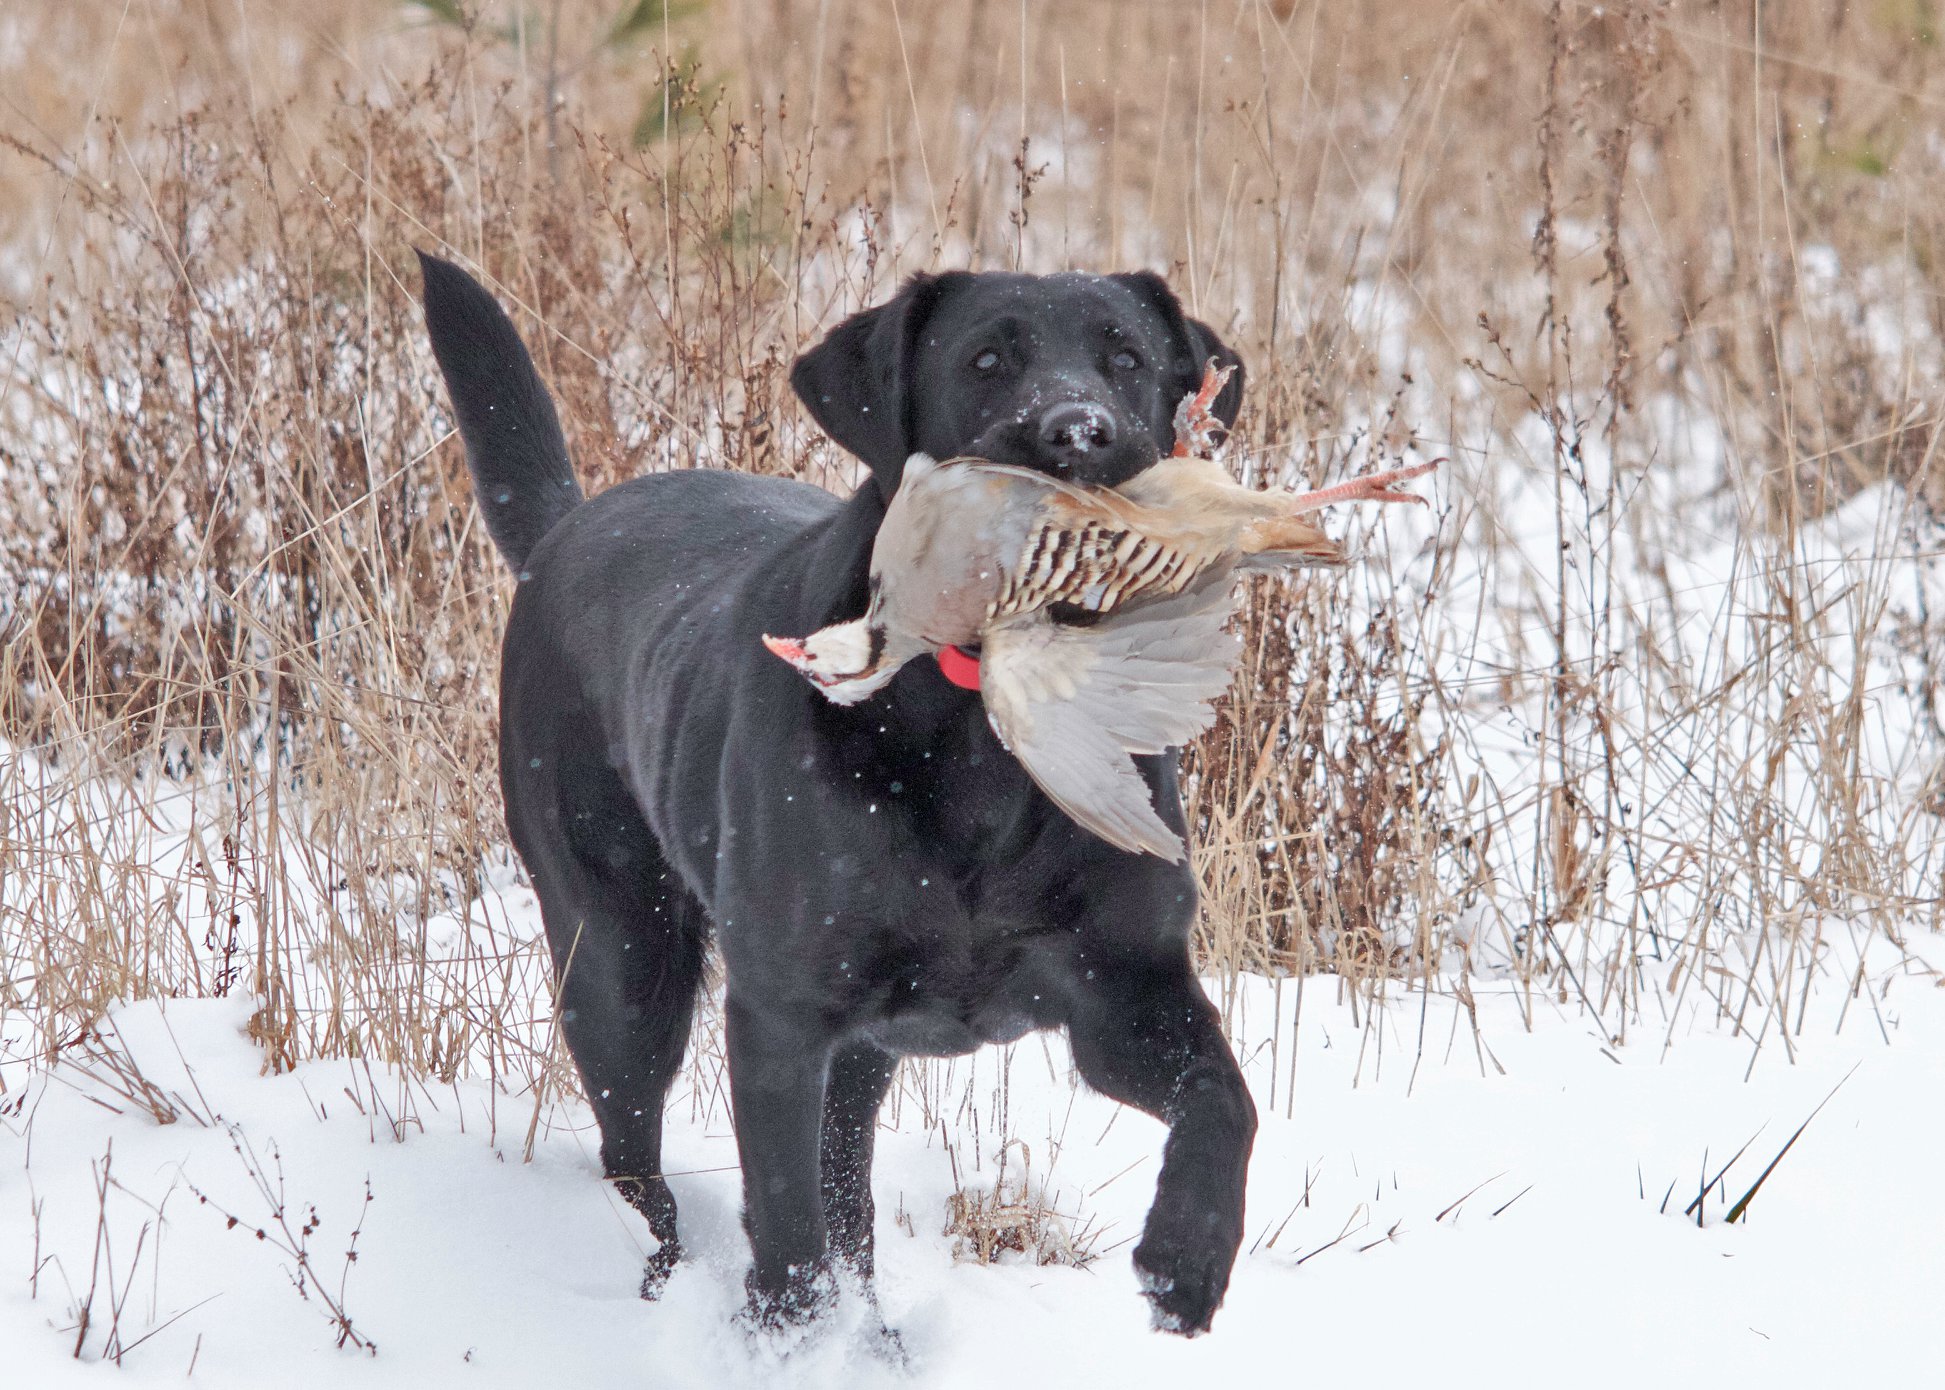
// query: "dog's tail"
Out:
[521,472]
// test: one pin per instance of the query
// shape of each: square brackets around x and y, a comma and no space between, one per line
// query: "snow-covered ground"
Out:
[1431,1201]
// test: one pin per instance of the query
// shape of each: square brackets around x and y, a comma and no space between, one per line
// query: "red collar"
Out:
[959,668]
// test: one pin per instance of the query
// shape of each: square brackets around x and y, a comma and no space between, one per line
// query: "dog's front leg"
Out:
[1149,1037]
[776,1080]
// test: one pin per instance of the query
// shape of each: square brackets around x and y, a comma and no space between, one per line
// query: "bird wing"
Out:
[1071,703]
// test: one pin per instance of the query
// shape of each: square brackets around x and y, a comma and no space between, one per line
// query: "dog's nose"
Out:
[1076,427]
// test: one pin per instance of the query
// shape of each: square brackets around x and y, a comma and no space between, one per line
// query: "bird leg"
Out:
[1195,426]
[1372,487]
[1195,436]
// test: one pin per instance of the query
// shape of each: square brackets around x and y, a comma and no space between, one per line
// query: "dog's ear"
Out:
[1196,344]
[857,383]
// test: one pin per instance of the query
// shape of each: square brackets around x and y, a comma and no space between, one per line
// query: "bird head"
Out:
[844,660]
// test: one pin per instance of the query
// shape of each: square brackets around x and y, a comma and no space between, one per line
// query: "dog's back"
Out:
[617,638]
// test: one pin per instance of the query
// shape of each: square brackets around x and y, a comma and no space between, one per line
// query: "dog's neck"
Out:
[837,575]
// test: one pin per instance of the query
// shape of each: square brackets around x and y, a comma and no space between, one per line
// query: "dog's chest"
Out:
[948,982]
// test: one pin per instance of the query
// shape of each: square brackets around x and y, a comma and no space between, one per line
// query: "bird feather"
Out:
[1072,703]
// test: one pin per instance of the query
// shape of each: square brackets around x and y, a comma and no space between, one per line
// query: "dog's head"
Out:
[1075,375]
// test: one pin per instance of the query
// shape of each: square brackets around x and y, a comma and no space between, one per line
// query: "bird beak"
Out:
[790,649]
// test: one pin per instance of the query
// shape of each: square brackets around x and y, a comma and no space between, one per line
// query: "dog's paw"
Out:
[1183,1285]
[883,1344]
[657,1269]
[806,1296]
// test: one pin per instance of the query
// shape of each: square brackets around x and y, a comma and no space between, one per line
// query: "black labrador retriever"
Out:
[882,880]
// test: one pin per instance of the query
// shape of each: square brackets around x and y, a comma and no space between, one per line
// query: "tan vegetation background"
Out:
[1558,243]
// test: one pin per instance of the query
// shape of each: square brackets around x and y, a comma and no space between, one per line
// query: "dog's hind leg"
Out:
[628,944]
[859,1077]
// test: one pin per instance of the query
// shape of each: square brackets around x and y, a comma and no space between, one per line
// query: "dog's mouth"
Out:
[1016,442]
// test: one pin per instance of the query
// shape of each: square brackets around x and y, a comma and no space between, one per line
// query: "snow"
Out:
[1472,1205]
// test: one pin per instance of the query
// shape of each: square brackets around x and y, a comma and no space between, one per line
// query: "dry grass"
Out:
[1652,277]
[1015,1218]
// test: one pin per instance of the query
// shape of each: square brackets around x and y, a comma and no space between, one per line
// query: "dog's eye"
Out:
[1125,360]
[986,361]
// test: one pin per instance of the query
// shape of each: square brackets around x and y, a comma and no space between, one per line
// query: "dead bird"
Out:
[979,554]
